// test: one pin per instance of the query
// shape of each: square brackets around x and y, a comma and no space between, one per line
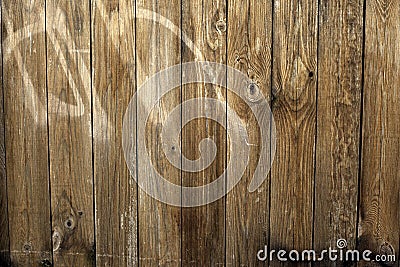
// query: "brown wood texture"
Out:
[157,48]
[294,109]
[203,228]
[328,69]
[113,64]
[340,45]
[380,184]
[70,131]
[249,50]
[25,110]
[4,231]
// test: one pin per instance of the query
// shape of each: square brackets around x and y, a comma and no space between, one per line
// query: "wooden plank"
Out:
[249,50]
[25,107]
[158,47]
[113,48]
[294,110]
[203,228]
[380,185]
[338,131]
[4,233]
[70,131]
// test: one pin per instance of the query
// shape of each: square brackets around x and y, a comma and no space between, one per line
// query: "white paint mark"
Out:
[59,107]
[258,45]
[37,109]
[83,51]
[142,13]
[30,41]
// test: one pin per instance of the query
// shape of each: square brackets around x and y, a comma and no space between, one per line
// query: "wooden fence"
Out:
[330,71]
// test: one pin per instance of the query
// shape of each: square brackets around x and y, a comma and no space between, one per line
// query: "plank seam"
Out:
[272,102]
[8,260]
[360,146]
[316,129]
[181,125]
[48,135]
[92,132]
[136,149]
[226,127]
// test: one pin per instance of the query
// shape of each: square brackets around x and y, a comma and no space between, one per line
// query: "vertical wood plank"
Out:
[158,47]
[294,110]
[203,228]
[249,50]
[24,81]
[113,48]
[4,233]
[70,131]
[380,184]
[338,133]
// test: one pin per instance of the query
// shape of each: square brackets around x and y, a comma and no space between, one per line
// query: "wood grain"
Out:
[380,185]
[157,47]
[4,232]
[24,81]
[330,70]
[339,115]
[70,132]
[294,110]
[249,50]
[113,48]
[203,228]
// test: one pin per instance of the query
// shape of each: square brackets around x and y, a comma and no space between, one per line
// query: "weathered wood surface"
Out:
[329,69]
[157,48]
[379,213]
[294,109]
[340,45]
[203,228]
[113,68]
[26,135]
[70,131]
[4,232]
[249,50]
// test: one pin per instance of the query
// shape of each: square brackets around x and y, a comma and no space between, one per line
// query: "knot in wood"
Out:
[27,247]
[69,223]
[220,25]
[253,92]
